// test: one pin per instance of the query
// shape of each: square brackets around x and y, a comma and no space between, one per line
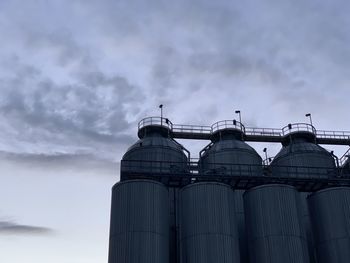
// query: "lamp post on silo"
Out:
[239,114]
[161,114]
[265,151]
[309,115]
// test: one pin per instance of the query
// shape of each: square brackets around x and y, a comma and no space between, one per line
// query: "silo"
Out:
[330,215]
[155,151]
[230,155]
[274,230]
[208,231]
[139,230]
[301,157]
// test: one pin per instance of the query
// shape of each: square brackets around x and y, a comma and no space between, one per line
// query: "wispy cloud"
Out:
[10,227]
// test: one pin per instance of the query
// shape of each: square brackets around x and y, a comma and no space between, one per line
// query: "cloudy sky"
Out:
[77,76]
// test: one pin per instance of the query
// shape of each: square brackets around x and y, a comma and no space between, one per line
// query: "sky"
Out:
[76,77]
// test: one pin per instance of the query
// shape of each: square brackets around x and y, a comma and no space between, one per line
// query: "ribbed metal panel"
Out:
[306,220]
[208,230]
[330,214]
[239,208]
[139,231]
[174,224]
[274,229]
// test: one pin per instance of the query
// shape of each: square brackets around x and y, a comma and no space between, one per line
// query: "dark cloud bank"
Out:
[199,58]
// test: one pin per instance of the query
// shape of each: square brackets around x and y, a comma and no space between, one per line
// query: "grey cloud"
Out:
[10,227]
[80,162]
[93,108]
[257,53]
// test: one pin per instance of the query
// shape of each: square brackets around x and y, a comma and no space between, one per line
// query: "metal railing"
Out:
[298,127]
[263,131]
[228,169]
[227,124]
[204,131]
[344,158]
[239,176]
[191,129]
[333,134]
[155,121]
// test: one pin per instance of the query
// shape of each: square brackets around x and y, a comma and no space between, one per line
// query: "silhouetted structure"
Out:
[230,206]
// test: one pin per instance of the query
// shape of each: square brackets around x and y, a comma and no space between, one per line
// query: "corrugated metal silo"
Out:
[208,230]
[139,230]
[301,157]
[155,151]
[274,229]
[330,214]
[229,154]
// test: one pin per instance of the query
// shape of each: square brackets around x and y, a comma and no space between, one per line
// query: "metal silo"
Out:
[301,157]
[208,230]
[155,151]
[139,230]
[330,214]
[229,155]
[274,229]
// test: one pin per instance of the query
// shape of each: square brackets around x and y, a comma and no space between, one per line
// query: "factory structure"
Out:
[229,205]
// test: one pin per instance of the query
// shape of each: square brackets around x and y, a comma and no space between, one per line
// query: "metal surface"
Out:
[274,230]
[242,236]
[208,224]
[303,153]
[227,150]
[330,214]
[312,161]
[139,230]
[306,220]
[157,147]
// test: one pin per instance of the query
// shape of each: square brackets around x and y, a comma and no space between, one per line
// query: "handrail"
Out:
[344,158]
[158,121]
[298,127]
[263,131]
[333,134]
[218,168]
[205,131]
[191,128]
[227,124]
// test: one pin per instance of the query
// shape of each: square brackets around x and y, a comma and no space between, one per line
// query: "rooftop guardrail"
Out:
[204,132]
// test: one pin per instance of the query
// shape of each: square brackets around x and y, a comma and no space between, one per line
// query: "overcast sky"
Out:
[77,76]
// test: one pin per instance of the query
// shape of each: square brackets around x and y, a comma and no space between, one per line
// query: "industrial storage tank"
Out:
[139,230]
[274,230]
[208,230]
[228,154]
[330,214]
[155,151]
[300,156]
